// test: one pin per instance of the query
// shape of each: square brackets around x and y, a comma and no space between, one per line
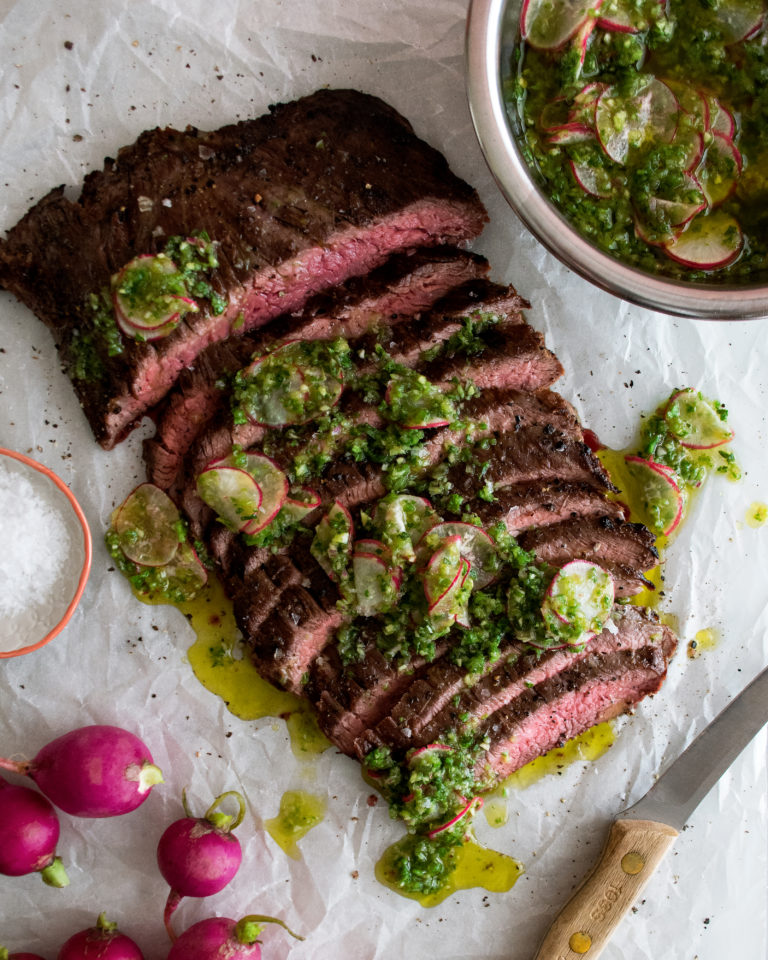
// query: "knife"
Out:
[641,835]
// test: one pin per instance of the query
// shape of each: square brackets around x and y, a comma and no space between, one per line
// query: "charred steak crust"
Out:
[316,191]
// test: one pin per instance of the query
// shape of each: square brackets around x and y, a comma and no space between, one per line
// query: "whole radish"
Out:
[101,942]
[4,955]
[198,856]
[219,938]
[98,771]
[29,832]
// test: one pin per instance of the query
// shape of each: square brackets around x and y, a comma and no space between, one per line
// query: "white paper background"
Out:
[174,62]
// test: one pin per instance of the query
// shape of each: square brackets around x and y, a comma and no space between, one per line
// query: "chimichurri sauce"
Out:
[648,128]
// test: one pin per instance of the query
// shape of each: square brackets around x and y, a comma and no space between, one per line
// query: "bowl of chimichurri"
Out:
[631,137]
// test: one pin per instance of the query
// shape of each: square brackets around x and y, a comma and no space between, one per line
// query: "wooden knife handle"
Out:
[633,851]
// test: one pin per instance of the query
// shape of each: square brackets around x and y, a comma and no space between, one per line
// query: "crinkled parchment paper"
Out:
[79,78]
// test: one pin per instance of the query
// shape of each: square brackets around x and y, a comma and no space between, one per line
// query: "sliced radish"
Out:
[738,19]
[660,496]
[451,605]
[301,504]
[693,102]
[721,119]
[584,103]
[710,242]
[594,180]
[655,236]
[462,614]
[678,212]
[273,484]
[580,595]
[286,387]
[547,24]
[695,421]
[375,584]
[403,520]
[580,39]
[625,124]
[692,142]
[476,546]
[442,569]
[145,336]
[417,404]
[332,545]
[622,16]
[374,547]
[720,170]
[470,806]
[570,133]
[147,528]
[426,753]
[149,294]
[232,493]
[186,574]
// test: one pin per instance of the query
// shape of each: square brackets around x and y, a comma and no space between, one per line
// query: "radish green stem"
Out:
[107,926]
[174,899]
[54,875]
[223,821]
[248,929]
[148,775]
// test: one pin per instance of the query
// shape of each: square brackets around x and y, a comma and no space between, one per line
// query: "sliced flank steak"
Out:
[297,201]
[595,688]
[404,287]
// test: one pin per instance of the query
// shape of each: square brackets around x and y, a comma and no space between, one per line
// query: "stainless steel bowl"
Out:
[491,29]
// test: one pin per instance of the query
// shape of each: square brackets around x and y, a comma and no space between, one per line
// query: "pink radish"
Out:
[101,942]
[425,753]
[97,771]
[4,955]
[219,938]
[198,856]
[29,832]
[470,806]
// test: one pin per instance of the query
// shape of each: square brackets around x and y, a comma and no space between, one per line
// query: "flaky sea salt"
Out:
[36,555]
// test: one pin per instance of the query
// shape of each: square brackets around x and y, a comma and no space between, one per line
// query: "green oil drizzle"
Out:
[703,641]
[476,866]
[757,515]
[299,813]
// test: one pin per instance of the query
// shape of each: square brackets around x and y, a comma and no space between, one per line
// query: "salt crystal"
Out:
[40,558]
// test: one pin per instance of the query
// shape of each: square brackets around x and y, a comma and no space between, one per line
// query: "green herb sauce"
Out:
[685,43]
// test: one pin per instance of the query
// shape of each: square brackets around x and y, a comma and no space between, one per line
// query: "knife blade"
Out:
[641,835]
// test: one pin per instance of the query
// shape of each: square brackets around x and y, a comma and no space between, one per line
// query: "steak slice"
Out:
[532,454]
[596,688]
[515,358]
[626,549]
[527,506]
[318,190]
[406,285]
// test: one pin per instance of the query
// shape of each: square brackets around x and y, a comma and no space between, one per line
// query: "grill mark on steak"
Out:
[291,220]
[598,688]
[405,286]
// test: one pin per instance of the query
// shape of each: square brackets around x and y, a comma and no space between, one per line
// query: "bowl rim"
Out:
[483,48]
[87,545]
